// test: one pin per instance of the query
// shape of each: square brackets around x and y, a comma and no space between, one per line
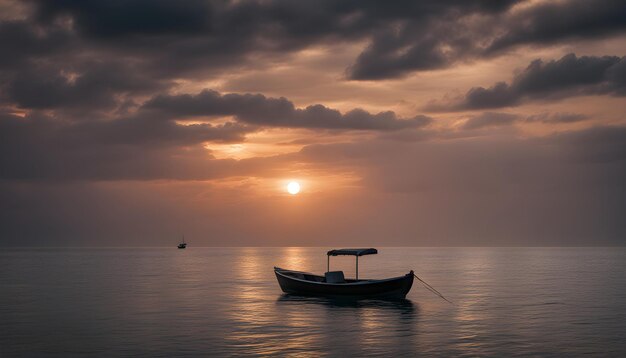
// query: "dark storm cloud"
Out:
[431,36]
[20,41]
[173,39]
[395,52]
[189,36]
[552,21]
[89,85]
[181,38]
[197,35]
[290,19]
[115,18]
[452,35]
[568,76]
[42,148]
[277,112]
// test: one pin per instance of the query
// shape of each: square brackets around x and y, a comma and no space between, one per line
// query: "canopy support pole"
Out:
[328,264]
[357,267]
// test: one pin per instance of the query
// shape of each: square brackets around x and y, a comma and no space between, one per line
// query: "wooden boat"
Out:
[334,284]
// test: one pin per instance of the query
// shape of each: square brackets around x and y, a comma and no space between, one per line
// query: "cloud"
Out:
[135,18]
[490,119]
[26,42]
[568,76]
[259,110]
[435,37]
[558,117]
[154,142]
[455,33]
[41,148]
[173,40]
[91,85]
[553,21]
[498,119]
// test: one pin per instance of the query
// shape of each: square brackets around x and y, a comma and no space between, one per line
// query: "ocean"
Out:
[165,302]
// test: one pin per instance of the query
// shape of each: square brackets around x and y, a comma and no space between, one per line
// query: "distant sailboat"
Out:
[182,245]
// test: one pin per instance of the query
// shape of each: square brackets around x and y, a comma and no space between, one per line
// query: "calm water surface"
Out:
[226,301]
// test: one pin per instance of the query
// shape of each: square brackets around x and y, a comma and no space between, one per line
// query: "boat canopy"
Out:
[352,252]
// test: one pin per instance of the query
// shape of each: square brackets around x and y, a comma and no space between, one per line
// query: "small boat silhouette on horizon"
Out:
[182,245]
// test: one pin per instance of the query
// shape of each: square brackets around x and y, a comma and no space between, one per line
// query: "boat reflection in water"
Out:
[352,327]
[404,306]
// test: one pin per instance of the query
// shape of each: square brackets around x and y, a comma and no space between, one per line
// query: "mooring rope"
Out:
[432,289]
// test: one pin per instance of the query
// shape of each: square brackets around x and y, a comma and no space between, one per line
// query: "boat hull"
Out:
[392,288]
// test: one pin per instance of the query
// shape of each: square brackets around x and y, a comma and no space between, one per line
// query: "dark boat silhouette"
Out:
[182,245]
[334,284]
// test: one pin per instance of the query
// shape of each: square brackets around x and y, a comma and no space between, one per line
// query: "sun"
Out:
[293,187]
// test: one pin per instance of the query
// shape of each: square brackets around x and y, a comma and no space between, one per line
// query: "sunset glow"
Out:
[400,118]
[293,188]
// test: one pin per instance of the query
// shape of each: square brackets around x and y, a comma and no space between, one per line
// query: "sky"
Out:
[406,123]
